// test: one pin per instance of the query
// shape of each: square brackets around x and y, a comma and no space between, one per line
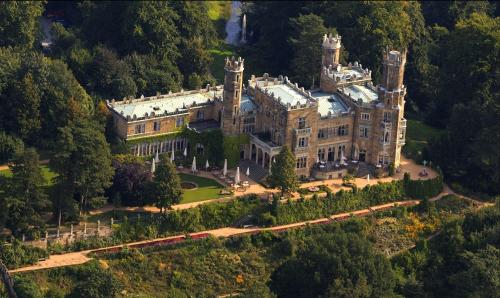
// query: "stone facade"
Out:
[347,117]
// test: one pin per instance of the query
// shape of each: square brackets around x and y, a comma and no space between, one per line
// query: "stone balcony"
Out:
[303,131]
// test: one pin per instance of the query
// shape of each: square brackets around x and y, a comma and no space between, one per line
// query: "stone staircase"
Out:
[257,173]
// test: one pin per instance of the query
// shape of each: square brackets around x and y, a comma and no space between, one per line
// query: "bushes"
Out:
[16,254]
[420,189]
[342,201]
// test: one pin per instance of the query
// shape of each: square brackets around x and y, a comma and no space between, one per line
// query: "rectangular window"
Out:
[363,132]
[301,162]
[343,130]
[387,116]
[321,153]
[140,128]
[156,125]
[365,116]
[302,122]
[179,122]
[200,115]
[303,142]
[322,133]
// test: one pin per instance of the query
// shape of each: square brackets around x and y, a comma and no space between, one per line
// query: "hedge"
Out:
[423,189]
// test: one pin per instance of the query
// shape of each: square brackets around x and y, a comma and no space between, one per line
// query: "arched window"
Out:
[386,138]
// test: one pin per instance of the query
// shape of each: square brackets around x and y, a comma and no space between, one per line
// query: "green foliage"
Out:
[26,288]
[16,254]
[283,172]
[423,189]
[83,161]
[24,198]
[166,187]
[232,147]
[339,264]
[462,261]
[94,281]
[308,31]
[342,201]
[213,147]
[10,146]
[19,23]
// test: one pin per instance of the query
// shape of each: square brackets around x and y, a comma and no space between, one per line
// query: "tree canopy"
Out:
[283,174]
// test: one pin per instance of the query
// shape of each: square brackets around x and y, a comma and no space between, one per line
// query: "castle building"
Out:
[346,118]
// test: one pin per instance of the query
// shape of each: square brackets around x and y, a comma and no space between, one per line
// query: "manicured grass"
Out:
[219,54]
[46,172]
[418,131]
[207,189]
[418,136]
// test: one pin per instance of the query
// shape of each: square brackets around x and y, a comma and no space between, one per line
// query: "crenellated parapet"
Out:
[331,42]
[263,83]
[209,94]
[233,64]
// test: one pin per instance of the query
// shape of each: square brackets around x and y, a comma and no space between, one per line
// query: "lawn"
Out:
[46,172]
[418,136]
[207,189]
[219,53]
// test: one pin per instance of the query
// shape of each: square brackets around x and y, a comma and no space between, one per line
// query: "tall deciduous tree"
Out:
[82,159]
[283,172]
[166,187]
[19,22]
[305,40]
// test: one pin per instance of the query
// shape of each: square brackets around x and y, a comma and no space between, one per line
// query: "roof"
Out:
[348,74]
[329,103]
[247,104]
[164,104]
[360,91]
[287,94]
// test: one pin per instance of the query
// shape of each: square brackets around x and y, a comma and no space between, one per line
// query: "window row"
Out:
[328,154]
[160,147]
[141,128]
[330,132]
[302,162]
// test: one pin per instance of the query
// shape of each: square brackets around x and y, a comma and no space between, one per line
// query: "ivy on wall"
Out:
[212,146]
[231,147]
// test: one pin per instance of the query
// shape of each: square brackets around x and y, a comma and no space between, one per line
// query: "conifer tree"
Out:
[283,172]
[166,186]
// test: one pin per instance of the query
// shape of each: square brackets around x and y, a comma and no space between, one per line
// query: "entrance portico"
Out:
[262,152]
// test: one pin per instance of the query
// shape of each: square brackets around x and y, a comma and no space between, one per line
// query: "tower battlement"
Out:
[331,42]
[233,64]
[394,57]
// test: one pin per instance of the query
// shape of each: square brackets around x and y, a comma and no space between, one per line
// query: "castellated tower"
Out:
[331,50]
[391,92]
[233,84]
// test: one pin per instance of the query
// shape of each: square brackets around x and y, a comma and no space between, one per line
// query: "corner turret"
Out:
[331,50]
[233,86]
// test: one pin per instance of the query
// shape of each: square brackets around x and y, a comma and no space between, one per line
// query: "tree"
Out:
[23,106]
[95,282]
[166,187]
[10,146]
[24,196]
[283,172]
[305,40]
[335,264]
[131,180]
[82,159]
[19,23]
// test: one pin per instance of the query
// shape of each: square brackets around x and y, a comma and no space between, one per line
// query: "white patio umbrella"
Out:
[342,158]
[248,171]
[172,157]
[157,158]
[237,176]
[317,159]
[368,178]
[224,170]
[153,166]
[193,166]
[185,152]
[207,165]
